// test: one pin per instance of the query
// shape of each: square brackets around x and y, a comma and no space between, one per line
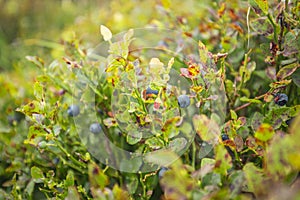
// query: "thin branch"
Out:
[248,28]
[249,103]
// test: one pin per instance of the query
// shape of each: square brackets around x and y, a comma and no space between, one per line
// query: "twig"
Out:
[248,28]
[249,103]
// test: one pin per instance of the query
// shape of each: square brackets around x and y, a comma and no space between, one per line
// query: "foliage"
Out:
[246,52]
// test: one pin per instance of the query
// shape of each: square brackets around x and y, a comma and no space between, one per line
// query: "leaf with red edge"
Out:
[239,143]
[185,72]
[280,84]
[287,71]
[264,132]
[271,72]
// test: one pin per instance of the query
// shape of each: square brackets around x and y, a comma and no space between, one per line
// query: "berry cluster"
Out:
[74,110]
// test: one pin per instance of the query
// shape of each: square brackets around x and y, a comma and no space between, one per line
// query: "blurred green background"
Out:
[45,28]
[40,28]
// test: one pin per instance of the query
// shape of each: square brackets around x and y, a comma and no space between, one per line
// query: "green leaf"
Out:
[186,128]
[279,114]
[34,133]
[207,161]
[236,180]
[161,157]
[154,143]
[292,43]
[97,177]
[110,122]
[29,188]
[280,84]
[261,4]
[206,128]
[119,193]
[245,99]
[262,26]
[69,179]
[131,182]
[36,60]
[287,71]
[223,160]
[248,71]
[73,194]
[243,132]
[296,78]
[277,154]
[211,179]
[264,132]
[295,125]
[233,115]
[256,120]
[32,107]
[229,87]
[134,137]
[36,173]
[38,91]
[132,165]
[178,144]
[253,177]
[177,183]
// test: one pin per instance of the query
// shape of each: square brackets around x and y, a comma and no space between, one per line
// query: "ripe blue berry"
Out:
[289,121]
[73,110]
[183,101]
[281,99]
[100,112]
[55,161]
[19,116]
[150,91]
[95,128]
[162,171]
[224,137]
[11,120]
[15,118]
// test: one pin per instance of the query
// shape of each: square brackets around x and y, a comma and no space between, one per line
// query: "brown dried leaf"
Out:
[239,143]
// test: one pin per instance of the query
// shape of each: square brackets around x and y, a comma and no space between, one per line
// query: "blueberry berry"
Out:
[289,121]
[15,118]
[224,137]
[73,110]
[162,172]
[11,120]
[183,101]
[150,91]
[19,116]
[281,99]
[95,128]
[55,161]
[100,111]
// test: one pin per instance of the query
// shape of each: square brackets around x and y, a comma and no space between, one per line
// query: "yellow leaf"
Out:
[202,52]
[156,65]
[263,5]
[264,133]
[206,128]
